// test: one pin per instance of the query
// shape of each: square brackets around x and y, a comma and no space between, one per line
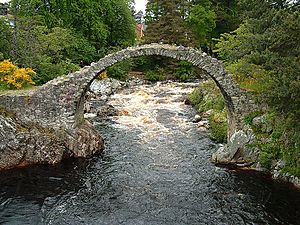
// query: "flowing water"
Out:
[155,170]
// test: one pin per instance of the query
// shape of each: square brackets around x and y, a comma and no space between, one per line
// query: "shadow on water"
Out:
[23,192]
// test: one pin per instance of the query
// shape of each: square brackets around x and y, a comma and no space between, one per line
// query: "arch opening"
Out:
[213,67]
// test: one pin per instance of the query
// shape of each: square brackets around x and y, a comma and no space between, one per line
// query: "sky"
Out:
[140,5]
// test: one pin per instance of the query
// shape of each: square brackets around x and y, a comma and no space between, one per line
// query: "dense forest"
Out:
[258,40]
[56,37]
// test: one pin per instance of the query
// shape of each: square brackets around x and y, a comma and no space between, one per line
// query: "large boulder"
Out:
[238,151]
[25,144]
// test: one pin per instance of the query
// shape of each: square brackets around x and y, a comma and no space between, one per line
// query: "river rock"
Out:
[197,118]
[107,110]
[262,124]
[89,115]
[207,113]
[237,150]
[204,123]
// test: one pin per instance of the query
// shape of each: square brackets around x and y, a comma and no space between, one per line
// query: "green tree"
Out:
[202,20]
[5,38]
[46,50]
[263,54]
[166,23]
[56,37]
[227,16]
[103,23]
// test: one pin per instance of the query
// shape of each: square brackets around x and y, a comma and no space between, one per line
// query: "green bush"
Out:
[155,75]
[281,144]
[294,170]
[184,71]
[268,153]
[218,126]
[208,97]
[248,119]
[120,70]
[196,96]
[46,70]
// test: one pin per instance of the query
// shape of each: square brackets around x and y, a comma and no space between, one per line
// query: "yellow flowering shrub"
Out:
[14,77]
[103,75]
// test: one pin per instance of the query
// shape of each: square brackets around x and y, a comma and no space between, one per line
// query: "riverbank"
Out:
[211,111]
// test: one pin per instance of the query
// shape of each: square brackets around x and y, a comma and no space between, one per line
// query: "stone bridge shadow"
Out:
[48,124]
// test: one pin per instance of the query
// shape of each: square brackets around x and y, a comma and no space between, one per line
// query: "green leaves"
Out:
[5,37]
[263,56]
[103,23]
[167,23]
[56,37]
[202,20]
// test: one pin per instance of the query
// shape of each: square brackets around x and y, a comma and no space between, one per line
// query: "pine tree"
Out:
[166,23]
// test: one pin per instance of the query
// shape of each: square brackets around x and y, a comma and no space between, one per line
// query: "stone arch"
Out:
[212,66]
[54,111]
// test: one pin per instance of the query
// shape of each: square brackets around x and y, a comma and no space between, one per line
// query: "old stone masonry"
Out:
[46,125]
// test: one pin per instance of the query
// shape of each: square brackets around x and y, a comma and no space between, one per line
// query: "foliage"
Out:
[207,97]
[248,119]
[103,75]
[158,74]
[282,143]
[104,24]
[185,71]
[196,97]
[57,37]
[218,126]
[263,55]
[167,22]
[227,16]
[46,50]
[5,40]
[250,77]
[13,77]
[202,20]
[120,70]
[160,29]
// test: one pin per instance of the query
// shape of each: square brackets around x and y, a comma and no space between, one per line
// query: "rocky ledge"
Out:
[26,144]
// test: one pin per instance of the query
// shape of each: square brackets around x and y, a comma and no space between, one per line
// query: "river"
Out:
[155,170]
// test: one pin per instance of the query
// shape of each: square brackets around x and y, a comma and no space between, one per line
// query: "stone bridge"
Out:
[46,125]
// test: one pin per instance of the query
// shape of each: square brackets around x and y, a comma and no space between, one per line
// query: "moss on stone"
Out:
[5,113]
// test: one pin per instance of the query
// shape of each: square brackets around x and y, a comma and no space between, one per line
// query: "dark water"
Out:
[155,170]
